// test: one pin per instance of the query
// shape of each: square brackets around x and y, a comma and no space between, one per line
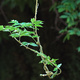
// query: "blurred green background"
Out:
[17,63]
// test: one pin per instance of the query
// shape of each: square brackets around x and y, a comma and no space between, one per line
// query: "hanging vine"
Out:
[18,30]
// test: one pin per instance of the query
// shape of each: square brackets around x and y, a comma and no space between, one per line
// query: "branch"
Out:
[48,73]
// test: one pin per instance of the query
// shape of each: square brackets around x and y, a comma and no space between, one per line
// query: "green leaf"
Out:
[49,57]
[11,28]
[77,1]
[63,16]
[78,49]
[55,69]
[67,13]
[16,25]
[38,22]
[71,32]
[48,63]
[78,33]
[1,27]
[42,54]
[75,14]
[54,60]
[23,24]
[35,36]
[54,75]
[14,35]
[61,10]
[66,37]
[26,33]
[72,24]
[42,61]
[33,44]
[37,25]
[27,25]
[38,54]
[73,6]
[33,20]
[6,30]
[68,19]
[16,30]
[63,30]
[79,14]
[25,43]
[14,21]
[31,32]
[59,65]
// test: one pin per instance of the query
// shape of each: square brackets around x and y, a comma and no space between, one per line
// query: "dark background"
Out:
[17,63]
